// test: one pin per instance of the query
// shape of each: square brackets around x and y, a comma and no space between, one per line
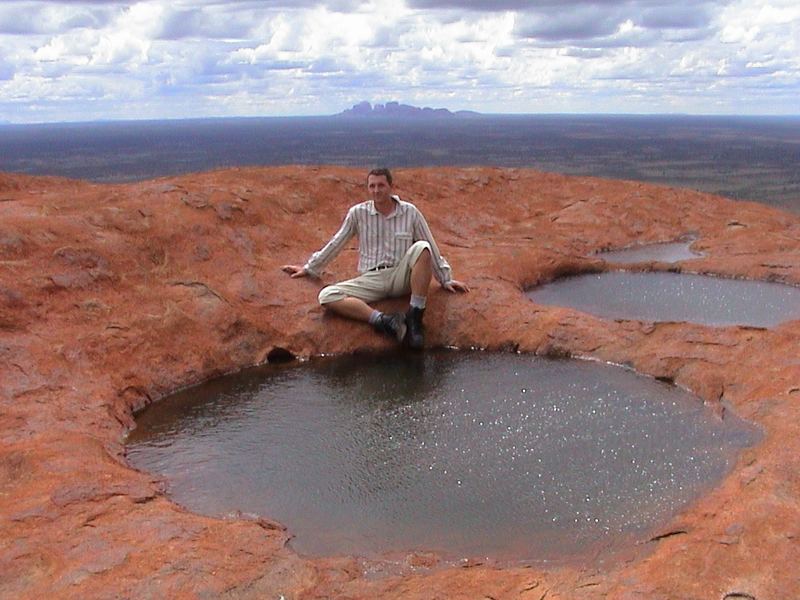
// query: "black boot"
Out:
[393,325]
[415,337]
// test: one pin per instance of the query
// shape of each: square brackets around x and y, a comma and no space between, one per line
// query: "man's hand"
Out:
[456,286]
[294,270]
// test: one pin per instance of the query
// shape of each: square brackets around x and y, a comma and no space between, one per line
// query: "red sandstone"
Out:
[111,296]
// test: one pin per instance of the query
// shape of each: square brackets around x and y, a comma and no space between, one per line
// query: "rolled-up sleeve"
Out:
[319,259]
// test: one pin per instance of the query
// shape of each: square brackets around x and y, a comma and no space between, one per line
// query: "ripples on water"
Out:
[471,454]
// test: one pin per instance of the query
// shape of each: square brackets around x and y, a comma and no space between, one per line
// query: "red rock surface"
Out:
[111,296]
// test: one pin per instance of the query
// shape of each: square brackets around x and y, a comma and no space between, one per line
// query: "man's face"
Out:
[379,188]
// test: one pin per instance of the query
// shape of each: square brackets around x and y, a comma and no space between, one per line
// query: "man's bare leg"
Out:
[358,310]
[352,308]
[421,274]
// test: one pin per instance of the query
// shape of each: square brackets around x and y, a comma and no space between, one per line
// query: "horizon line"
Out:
[472,115]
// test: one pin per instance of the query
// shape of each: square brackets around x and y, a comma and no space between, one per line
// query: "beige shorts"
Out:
[377,285]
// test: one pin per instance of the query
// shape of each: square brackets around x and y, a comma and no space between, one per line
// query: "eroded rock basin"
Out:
[111,296]
[669,252]
[686,297]
[475,454]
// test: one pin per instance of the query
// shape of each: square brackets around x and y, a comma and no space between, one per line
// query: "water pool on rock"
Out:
[674,297]
[469,454]
[664,252]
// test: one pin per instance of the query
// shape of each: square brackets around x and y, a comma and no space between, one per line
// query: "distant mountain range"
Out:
[403,111]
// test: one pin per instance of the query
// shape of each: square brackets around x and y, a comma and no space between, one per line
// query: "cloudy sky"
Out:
[74,60]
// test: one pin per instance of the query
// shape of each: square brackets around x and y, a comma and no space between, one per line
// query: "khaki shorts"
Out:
[377,285]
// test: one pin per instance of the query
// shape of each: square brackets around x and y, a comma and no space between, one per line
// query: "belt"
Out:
[382,267]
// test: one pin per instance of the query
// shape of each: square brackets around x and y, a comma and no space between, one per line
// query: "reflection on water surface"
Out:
[669,252]
[674,297]
[471,454]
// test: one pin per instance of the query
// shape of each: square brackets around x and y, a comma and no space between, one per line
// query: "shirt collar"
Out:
[374,211]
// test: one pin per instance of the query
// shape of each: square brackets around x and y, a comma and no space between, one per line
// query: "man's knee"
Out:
[421,251]
[420,245]
[330,294]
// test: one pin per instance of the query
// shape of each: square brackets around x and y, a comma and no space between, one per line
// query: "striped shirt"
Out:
[382,241]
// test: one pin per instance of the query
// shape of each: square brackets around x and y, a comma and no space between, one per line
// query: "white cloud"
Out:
[7,69]
[26,17]
[122,49]
[77,60]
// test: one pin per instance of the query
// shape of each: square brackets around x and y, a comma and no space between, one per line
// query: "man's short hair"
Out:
[382,172]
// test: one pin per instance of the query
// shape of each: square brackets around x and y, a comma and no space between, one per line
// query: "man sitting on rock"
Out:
[397,255]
